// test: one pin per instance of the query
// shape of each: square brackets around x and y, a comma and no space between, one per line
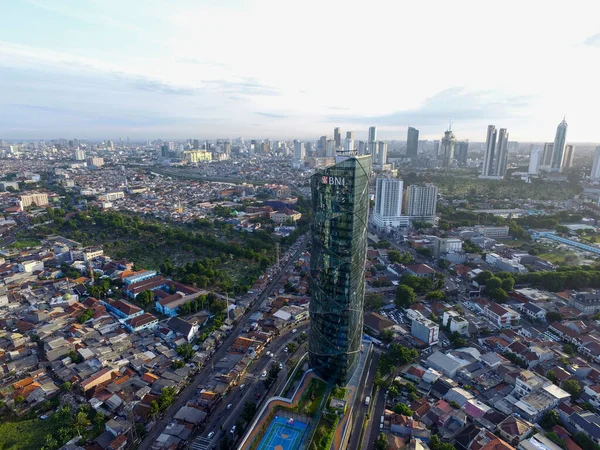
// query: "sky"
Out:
[147,69]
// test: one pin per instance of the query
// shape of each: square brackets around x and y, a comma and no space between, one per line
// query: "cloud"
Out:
[145,84]
[593,41]
[272,115]
[247,86]
[456,103]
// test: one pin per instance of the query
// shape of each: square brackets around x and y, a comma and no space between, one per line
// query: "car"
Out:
[268,353]
[286,350]
[233,429]
[242,386]
[294,330]
[257,396]
[229,406]
[264,374]
[280,366]
[210,435]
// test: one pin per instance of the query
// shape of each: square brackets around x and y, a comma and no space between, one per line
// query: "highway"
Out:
[360,409]
[190,390]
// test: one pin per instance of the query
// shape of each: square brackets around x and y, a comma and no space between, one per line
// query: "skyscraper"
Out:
[490,151]
[568,159]
[501,153]
[382,153]
[362,148]
[330,148]
[422,200]
[558,153]
[372,134]
[340,197]
[388,202]
[448,144]
[299,151]
[349,145]
[412,142]
[535,158]
[461,152]
[350,135]
[436,149]
[322,145]
[337,137]
[595,175]
[546,162]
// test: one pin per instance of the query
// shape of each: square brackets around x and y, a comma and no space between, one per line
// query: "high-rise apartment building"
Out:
[95,161]
[422,201]
[330,148]
[340,197]
[560,141]
[546,162]
[362,148]
[337,137]
[412,142]
[448,144]
[490,152]
[382,153]
[568,159]
[79,155]
[349,144]
[595,175]
[350,135]
[501,153]
[299,150]
[461,152]
[388,202]
[322,145]
[372,134]
[534,161]
[436,149]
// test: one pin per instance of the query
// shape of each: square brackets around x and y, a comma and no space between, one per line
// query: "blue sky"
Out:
[103,69]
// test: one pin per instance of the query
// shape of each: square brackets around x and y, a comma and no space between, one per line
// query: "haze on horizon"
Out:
[152,69]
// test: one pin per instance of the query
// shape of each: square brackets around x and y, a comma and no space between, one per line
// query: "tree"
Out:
[405,296]
[19,399]
[373,301]
[177,364]
[553,316]
[186,351]
[493,283]
[66,386]
[435,295]
[436,443]
[549,419]
[401,408]
[572,387]
[569,349]
[154,408]
[551,376]
[81,421]
[382,442]
[499,295]
[144,298]
[508,284]
[248,411]
[387,335]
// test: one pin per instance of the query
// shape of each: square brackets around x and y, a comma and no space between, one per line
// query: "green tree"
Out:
[66,386]
[435,443]
[499,295]
[549,419]
[144,298]
[569,349]
[435,295]
[186,351]
[81,421]
[248,411]
[508,284]
[154,408]
[403,409]
[553,316]
[386,336]
[572,387]
[405,296]
[177,364]
[382,442]
[373,301]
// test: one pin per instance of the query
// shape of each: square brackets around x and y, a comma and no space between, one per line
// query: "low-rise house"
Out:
[188,328]
[142,322]
[514,429]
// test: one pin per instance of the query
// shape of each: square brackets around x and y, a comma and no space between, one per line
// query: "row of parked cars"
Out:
[394,315]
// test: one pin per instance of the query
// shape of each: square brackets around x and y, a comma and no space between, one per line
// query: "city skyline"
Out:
[109,73]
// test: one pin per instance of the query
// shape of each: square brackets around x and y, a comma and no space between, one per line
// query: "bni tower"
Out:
[340,197]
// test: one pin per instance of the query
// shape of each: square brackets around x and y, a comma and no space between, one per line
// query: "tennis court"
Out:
[283,434]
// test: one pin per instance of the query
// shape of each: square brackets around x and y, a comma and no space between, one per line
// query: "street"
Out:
[360,408]
[190,390]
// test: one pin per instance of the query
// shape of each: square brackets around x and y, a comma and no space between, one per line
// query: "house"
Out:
[514,429]
[122,309]
[420,270]
[286,215]
[587,423]
[538,442]
[377,323]
[593,391]
[533,311]
[501,316]
[141,322]
[445,364]
[104,376]
[188,328]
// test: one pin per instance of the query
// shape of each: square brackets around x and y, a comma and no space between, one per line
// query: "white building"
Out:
[299,150]
[30,266]
[37,198]
[79,155]
[456,322]
[111,196]
[425,330]
[492,232]
[382,153]
[446,245]
[595,175]
[422,201]
[388,203]
[534,161]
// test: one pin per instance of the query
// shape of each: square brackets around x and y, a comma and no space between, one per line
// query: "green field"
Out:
[26,434]
[24,243]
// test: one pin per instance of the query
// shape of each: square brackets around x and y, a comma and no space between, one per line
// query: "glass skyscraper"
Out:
[340,197]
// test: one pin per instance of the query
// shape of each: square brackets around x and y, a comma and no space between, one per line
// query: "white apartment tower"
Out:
[388,202]
[299,150]
[422,201]
[534,161]
[382,153]
[595,175]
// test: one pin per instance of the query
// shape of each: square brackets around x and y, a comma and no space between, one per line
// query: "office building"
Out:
[299,150]
[388,202]
[372,134]
[436,149]
[412,142]
[322,145]
[595,175]
[534,161]
[330,148]
[425,330]
[34,198]
[362,148]
[501,153]
[227,148]
[558,152]
[349,145]
[79,155]
[461,152]
[340,197]
[448,144]
[546,162]
[568,159]
[490,151]
[196,156]
[95,161]
[382,153]
[422,201]
[337,137]
[350,135]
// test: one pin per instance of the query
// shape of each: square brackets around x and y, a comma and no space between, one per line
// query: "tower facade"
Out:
[412,142]
[490,151]
[501,153]
[448,144]
[299,150]
[372,134]
[534,161]
[422,200]
[337,137]
[569,155]
[595,175]
[558,152]
[340,197]
[382,153]
[388,202]
[462,151]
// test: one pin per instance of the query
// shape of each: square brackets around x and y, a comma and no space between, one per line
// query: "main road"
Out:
[190,390]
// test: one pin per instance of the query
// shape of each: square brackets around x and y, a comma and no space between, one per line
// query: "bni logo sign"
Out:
[335,181]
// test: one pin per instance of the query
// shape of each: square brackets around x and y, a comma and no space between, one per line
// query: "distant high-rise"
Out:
[322,145]
[461,152]
[448,144]
[534,161]
[362,148]
[372,134]
[79,155]
[568,159]
[337,137]
[299,151]
[227,148]
[340,203]
[546,162]
[422,200]
[490,151]
[412,142]
[436,149]
[330,148]
[349,145]
[350,135]
[558,153]
[382,153]
[595,175]
[501,153]
[388,202]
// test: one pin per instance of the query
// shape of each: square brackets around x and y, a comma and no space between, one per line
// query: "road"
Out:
[190,390]
[374,425]
[360,409]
